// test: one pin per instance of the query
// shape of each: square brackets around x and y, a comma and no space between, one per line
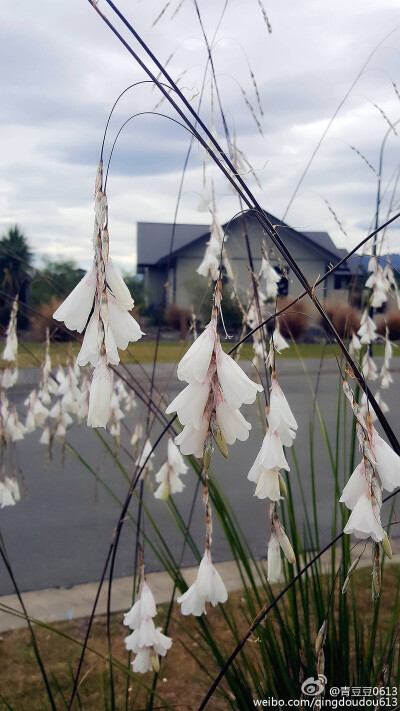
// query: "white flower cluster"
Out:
[271,276]
[10,352]
[217,388]
[9,492]
[282,426]
[103,292]
[367,330]
[146,641]
[378,470]
[380,282]
[168,477]
[215,252]
[208,587]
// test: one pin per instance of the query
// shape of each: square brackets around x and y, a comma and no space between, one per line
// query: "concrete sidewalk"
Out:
[57,604]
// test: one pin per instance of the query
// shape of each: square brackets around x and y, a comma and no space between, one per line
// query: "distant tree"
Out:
[55,279]
[135,286]
[15,269]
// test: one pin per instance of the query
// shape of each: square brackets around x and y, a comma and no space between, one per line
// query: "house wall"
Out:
[313,264]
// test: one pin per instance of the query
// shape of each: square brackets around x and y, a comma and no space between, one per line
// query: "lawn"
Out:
[31,355]
[182,680]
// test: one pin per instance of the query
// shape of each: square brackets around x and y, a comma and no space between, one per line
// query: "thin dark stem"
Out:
[113,544]
[29,623]
[343,101]
[264,612]
[250,201]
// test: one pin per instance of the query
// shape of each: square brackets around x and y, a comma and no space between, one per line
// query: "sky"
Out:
[62,70]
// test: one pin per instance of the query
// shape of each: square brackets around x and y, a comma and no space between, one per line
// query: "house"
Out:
[169,254]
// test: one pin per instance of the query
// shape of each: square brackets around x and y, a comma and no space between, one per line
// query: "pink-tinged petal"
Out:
[75,310]
[195,363]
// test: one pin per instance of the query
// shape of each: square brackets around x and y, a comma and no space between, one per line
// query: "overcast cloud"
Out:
[62,69]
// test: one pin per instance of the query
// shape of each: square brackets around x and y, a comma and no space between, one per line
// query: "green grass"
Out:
[31,355]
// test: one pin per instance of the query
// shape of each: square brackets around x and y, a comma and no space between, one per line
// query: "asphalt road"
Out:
[60,532]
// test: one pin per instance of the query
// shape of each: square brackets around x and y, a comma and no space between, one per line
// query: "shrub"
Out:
[294,321]
[393,322]
[344,317]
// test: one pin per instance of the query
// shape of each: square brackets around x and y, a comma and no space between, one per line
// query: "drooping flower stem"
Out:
[226,166]
[207,507]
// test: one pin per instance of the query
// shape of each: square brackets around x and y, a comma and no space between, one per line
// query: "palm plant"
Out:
[15,264]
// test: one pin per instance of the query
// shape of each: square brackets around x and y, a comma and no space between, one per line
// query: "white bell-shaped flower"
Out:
[75,310]
[232,423]
[367,330]
[195,363]
[272,278]
[236,387]
[6,497]
[278,340]
[145,457]
[145,641]
[100,395]
[387,462]
[189,404]
[368,366]
[267,480]
[168,477]
[280,416]
[191,440]
[208,587]
[364,522]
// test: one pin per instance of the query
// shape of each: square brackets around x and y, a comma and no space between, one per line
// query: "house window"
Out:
[337,284]
[283,284]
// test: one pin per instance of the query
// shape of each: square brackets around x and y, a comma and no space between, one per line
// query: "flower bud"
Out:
[349,572]
[282,486]
[387,548]
[219,438]
[319,642]
[207,452]
[155,662]
[376,573]
[284,541]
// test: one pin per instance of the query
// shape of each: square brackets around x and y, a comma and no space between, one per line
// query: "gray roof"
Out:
[154,239]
